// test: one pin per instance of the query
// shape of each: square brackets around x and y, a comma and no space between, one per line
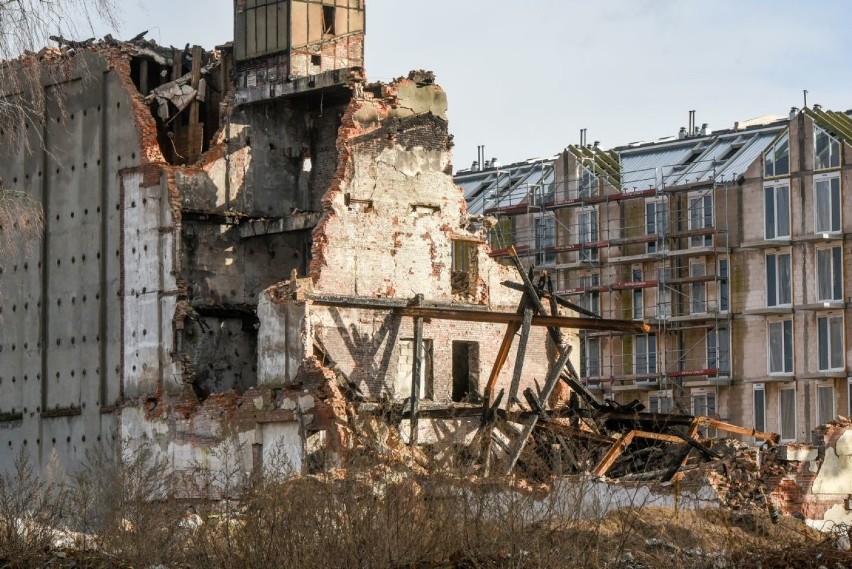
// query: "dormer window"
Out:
[776,160]
[826,150]
[588,183]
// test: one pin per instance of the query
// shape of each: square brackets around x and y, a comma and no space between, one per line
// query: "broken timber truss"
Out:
[586,435]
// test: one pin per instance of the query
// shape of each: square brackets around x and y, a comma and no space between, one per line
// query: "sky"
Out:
[523,77]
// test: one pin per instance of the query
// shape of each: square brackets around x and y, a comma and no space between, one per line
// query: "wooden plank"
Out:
[477,315]
[530,422]
[521,355]
[736,429]
[416,371]
[613,453]
[559,300]
[657,436]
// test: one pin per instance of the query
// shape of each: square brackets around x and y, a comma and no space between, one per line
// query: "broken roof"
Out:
[506,186]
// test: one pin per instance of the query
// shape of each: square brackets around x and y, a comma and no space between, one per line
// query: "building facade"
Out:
[732,245]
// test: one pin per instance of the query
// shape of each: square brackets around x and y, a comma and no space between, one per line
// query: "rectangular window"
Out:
[827,200]
[664,301]
[787,404]
[545,239]
[588,233]
[724,289]
[719,350]
[778,280]
[781,347]
[645,354]
[328,20]
[638,295]
[826,150]
[588,184]
[698,290]
[660,403]
[591,360]
[829,273]
[701,217]
[704,405]
[830,339]
[465,370]
[776,160]
[825,404]
[776,214]
[656,223]
[591,300]
[759,400]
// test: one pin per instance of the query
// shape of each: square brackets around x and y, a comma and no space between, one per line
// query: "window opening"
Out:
[777,211]
[788,413]
[776,160]
[830,342]
[826,150]
[778,280]
[827,198]
[781,347]
[825,403]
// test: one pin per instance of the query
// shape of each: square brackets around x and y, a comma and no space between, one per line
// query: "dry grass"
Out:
[124,514]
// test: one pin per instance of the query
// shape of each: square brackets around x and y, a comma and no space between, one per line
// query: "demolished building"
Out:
[234,238]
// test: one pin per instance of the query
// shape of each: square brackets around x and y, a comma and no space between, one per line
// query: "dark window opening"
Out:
[465,370]
[328,16]
[316,60]
[464,272]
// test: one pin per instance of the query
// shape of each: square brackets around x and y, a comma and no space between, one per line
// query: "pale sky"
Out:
[523,77]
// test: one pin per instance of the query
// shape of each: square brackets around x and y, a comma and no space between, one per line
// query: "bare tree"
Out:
[25,27]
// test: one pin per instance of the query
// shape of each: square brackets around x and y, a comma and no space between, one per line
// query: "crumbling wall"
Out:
[391,219]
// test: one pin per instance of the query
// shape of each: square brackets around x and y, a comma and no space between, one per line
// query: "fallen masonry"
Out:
[285,268]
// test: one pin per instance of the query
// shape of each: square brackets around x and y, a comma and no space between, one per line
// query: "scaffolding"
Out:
[656,251]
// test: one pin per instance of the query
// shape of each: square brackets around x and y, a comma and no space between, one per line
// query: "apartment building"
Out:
[514,195]
[731,244]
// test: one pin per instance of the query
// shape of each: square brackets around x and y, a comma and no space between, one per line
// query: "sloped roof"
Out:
[838,124]
[601,162]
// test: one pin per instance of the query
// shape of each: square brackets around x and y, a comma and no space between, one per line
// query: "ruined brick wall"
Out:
[390,220]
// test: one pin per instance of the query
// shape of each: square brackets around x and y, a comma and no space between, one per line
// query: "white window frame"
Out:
[706,394]
[721,351]
[762,389]
[588,232]
[828,340]
[830,180]
[833,413]
[835,272]
[664,302]
[788,387]
[784,348]
[587,182]
[660,402]
[648,369]
[596,346]
[833,149]
[698,203]
[660,214]
[775,187]
[637,294]
[723,284]
[545,238]
[698,290]
[777,255]
[591,300]
[781,143]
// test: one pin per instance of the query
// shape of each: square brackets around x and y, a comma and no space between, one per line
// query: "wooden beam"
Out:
[657,437]
[416,372]
[530,422]
[487,316]
[559,300]
[613,453]
[196,129]
[521,355]
[736,429]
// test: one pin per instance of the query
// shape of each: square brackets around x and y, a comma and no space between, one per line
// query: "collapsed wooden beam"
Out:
[492,317]
[532,420]
[615,451]
[736,429]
